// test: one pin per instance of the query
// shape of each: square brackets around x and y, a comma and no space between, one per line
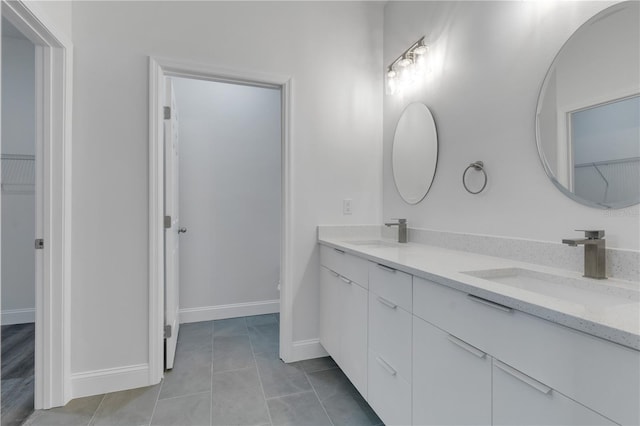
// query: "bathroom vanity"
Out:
[436,336]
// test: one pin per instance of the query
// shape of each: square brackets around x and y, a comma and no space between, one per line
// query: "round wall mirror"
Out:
[588,114]
[415,153]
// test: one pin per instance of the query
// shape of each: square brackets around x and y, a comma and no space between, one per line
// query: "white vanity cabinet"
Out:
[522,400]
[423,353]
[390,331]
[451,379]
[343,313]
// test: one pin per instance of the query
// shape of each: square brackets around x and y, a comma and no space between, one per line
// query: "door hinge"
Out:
[39,244]
[167,113]
[167,222]
[167,331]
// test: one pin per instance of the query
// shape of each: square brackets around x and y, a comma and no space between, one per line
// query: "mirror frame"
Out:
[435,167]
[541,154]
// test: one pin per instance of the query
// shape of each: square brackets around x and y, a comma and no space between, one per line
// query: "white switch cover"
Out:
[346,206]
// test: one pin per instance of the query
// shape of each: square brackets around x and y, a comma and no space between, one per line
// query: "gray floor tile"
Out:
[317,364]
[195,337]
[127,408]
[237,398]
[77,412]
[265,338]
[329,383]
[262,320]
[280,379]
[302,409]
[191,374]
[232,353]
[230,327]
[350,409]
[193,410]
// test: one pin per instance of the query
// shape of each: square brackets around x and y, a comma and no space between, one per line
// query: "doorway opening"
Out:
[36,229]
[233,200]
[18,155]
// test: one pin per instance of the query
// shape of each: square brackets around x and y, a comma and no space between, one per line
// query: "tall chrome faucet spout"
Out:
[402,229]
[595,260]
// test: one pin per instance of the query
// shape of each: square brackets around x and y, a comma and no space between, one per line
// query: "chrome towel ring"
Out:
[478,166]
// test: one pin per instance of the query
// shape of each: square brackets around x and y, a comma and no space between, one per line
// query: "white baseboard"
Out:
[109,380]
[208,313]
[18,316]
[307,349]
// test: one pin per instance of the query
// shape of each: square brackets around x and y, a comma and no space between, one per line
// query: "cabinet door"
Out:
[522,400]
[389,393]
[330,312]
[451,379]
[353,350]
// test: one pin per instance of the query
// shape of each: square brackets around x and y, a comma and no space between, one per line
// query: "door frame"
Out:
[159,68]
[54,65]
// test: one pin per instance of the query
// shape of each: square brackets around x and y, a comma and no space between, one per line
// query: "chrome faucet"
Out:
[595,261]
[402,229]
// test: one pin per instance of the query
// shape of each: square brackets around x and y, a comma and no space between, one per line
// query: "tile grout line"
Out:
[319,400]
[264,395]
[289,394]
[182,396]
[213,332]
[153,412]
[96,410]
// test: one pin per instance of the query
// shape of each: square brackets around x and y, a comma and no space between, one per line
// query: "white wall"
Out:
[18,208]
[333,52]
[230,202]
[491,59]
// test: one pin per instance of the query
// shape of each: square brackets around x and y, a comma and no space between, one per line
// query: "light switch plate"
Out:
[346,206]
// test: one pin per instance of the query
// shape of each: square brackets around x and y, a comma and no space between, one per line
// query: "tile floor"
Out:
[227,372]
[18,345]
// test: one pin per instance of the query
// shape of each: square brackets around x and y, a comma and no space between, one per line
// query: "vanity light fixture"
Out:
[403,72]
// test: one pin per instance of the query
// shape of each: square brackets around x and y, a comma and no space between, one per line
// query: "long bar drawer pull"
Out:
[346,280]
[467,347]
[386,366]
[489,303]
[335,274]
[387,303]
[339,251]
[522,377]
[386,268]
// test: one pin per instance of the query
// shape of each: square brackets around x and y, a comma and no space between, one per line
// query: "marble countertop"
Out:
[617,322]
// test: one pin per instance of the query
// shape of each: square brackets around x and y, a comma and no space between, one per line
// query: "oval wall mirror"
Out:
[415,153]
[588,114]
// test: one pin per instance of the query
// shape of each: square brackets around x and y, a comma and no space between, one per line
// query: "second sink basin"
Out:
[584,291]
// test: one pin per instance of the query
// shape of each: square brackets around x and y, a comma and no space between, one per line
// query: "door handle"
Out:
[522,377]
[467,347]
[182,230]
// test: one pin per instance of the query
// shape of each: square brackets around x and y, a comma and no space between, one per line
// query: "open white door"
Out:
[172,230]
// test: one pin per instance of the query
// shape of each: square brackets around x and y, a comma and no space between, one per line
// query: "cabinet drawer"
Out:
[389,393]
[597,373]
[390,334]
[519,400]
[349,266]
[391,284]
[448,374]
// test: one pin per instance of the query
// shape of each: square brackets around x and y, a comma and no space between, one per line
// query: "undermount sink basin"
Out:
[373,243]
[584,291]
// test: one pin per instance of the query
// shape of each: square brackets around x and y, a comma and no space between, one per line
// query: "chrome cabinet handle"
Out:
[339,251]
[182,230]
[335,274]
[386,366]
[467,347]
[346,280]
[541,387]
[387,303]
[386,268]
[489,303]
